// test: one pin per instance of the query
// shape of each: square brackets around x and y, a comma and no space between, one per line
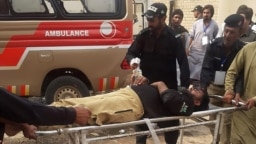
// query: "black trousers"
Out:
[1,132]
[170,137]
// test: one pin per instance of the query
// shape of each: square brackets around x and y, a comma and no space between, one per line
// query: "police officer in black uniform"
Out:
[158,48]
[219,56]
[221,52]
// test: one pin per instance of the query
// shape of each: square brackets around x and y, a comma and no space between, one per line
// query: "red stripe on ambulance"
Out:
[24,90]
[11,56]
[102,84]
[114,82]
[12,89]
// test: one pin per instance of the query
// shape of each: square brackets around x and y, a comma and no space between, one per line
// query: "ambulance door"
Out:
[139,23]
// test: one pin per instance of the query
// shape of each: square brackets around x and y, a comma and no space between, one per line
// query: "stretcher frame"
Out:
[79,134]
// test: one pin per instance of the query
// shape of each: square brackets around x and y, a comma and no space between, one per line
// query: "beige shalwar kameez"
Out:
[123,105]
[244,122]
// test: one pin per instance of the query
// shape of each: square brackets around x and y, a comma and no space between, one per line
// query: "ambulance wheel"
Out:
[64,87]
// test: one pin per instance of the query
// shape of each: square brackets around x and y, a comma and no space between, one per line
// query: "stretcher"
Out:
[79,135]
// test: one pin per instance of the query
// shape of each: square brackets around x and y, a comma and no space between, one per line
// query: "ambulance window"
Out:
[49,6]
[101,6]
[29,6]
[88,6]
[72,6]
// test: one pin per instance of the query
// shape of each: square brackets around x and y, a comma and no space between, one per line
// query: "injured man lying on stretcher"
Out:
[135,102]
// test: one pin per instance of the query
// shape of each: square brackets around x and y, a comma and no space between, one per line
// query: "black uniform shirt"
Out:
[215,57]
[169,103]
[158,57]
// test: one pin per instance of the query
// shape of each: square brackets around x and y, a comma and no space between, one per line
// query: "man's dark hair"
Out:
[241,8]
[178,12]
[198,8]
[248,12]
[204,103]
[210,7]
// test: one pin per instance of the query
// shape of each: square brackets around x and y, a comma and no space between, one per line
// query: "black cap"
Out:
[155,9]
[198,8]
[234,20]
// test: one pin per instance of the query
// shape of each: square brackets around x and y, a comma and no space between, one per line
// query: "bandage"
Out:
[135,61]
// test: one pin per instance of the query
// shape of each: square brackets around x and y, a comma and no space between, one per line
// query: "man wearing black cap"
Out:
[248,33]
[198,10]
[158,48]
[219,56]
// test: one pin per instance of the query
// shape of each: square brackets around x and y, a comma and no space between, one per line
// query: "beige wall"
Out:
[230,6]
[222,8]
